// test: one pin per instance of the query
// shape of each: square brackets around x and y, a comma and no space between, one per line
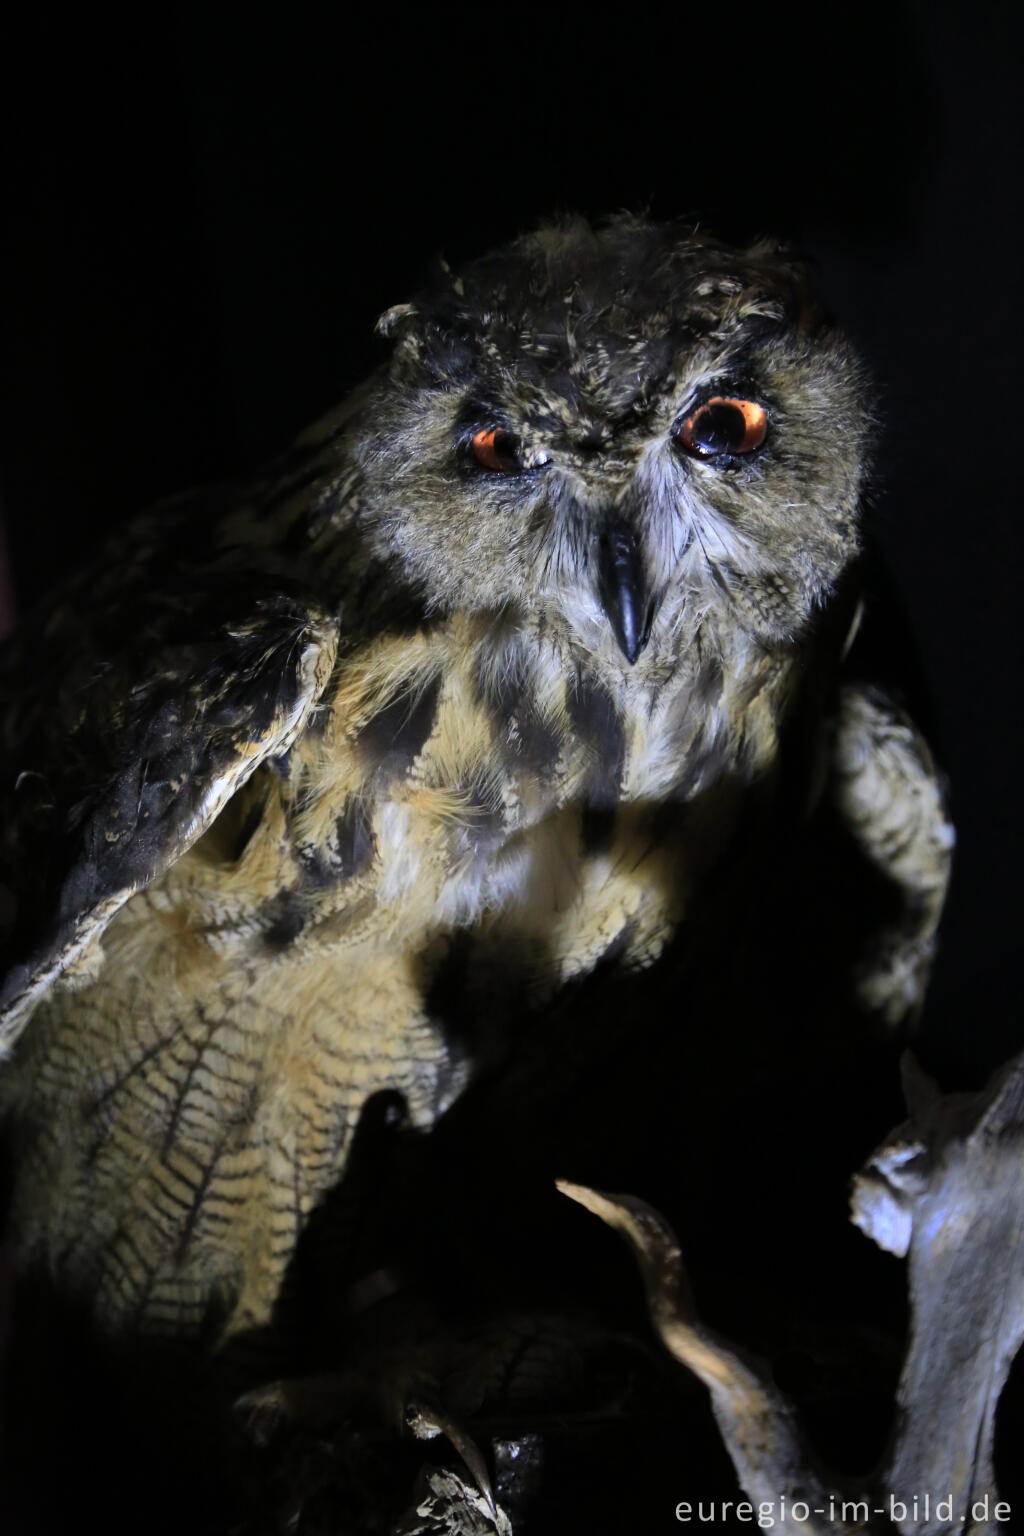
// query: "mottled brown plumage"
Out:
[289,740]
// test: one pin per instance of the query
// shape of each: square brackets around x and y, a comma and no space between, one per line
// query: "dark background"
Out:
[204,219]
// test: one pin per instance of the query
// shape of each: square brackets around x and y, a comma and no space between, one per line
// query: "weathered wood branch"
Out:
[760,1430]
[947,1189]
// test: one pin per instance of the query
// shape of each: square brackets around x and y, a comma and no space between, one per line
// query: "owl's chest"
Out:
[555,809]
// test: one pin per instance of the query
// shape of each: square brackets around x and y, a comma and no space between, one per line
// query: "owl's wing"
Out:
[892,799]
[125,736]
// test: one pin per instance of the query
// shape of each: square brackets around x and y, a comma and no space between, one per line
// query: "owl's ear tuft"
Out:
[395,322]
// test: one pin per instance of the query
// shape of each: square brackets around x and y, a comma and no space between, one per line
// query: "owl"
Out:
[499,660]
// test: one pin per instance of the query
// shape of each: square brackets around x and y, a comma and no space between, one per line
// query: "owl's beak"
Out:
[622,588]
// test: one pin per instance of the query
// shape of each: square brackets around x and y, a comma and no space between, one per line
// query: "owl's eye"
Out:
[723,425]
[497,450]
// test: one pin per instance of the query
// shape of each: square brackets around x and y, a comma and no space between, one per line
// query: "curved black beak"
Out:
[622,588]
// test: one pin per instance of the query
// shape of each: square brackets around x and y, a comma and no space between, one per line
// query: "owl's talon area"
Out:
[427,1423]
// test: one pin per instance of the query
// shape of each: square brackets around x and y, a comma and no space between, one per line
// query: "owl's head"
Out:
[622,434]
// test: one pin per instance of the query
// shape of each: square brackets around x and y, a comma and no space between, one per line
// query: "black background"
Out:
[204,219]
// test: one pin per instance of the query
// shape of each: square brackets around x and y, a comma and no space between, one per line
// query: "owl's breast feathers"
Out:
[468,775]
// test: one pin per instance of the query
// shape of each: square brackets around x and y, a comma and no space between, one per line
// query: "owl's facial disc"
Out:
[629,436]
[622,587]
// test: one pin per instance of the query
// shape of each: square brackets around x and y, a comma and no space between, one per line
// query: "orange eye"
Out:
[723,425]
[497,450]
